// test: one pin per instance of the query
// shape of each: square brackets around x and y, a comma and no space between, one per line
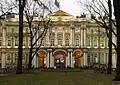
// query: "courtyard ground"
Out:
[59,77]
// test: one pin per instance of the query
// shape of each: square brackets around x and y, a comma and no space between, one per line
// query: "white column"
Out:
[56,40]
[72,64]
[47,60]
[82,61]
[73,58]
[68,61]
[71,36]
[4,36]
[3,59]
[35,61]
[85,59]
[63,40]
[84,37]
[81,37]
[51,60]
[47,38]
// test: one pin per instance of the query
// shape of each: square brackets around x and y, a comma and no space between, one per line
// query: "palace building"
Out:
[70,42]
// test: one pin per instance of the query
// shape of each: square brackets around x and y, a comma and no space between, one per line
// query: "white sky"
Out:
[71,7]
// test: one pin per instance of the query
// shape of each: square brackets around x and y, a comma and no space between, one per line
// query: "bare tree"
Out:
[33,9]
[8,7]
[20,47]
[101,13]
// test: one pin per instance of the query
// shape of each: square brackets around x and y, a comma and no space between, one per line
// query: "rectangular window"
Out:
[16,30]
[88,31]
[42,43]
[67,43]
[102,42]
[95,40]
[60,42]
[0,42]
[9,30]
[9,41]
[16,41]
[77,42]
[23,41]
[88,41]
[52,42]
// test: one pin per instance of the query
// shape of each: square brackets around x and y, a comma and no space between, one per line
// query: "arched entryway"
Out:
[77,57]
[41,57]
[60,58]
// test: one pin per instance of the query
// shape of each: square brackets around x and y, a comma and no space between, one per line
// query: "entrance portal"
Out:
[41,57]
[59,61]
[77,56]
[59,58]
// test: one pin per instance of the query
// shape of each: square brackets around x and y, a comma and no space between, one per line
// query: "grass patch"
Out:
[71,77]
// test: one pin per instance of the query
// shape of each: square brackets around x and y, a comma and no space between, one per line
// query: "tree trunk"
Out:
[31,46]
[19,62]
[116,4]
[109,69]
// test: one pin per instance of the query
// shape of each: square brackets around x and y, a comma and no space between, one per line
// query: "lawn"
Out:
[71,77]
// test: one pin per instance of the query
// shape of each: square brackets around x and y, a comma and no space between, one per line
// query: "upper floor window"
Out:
[9,30]
[52,42]
[67,42]
[8,56]
[0,42]
[23,41]
[16,30]
[88,30]
[88,41]
[59,42]
[102,42]
[92,30]
[9,41]
[95,40]
[16,41]
[42,43]
[0,56]
[77,42]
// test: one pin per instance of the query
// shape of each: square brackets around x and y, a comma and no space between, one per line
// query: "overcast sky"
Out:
[70,6]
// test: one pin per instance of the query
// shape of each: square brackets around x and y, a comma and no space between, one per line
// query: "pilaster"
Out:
[3,58]
[56,40]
